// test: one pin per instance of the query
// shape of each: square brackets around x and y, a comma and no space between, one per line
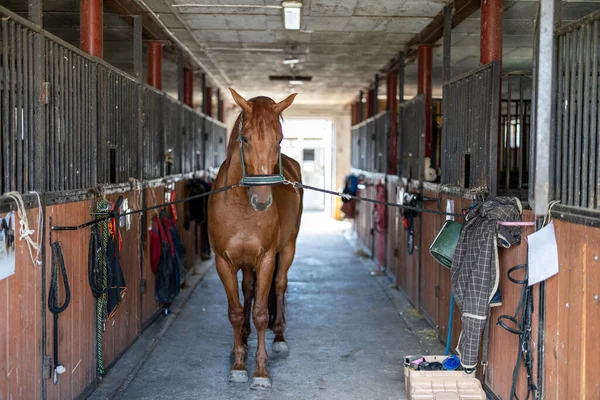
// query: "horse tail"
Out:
[272,303]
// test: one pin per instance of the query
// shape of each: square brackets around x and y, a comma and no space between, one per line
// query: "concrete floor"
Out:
[346,336]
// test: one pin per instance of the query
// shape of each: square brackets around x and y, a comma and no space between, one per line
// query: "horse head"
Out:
[260,135]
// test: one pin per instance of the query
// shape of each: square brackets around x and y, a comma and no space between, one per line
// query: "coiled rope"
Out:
[25,231]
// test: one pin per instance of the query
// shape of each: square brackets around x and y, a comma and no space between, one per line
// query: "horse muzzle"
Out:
[261,197]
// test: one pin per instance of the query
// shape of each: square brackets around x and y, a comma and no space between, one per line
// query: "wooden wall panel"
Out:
[392,227]
[408,265]
[191,242]
[77,322]
[20,324]
[503,351]
[572,313]
[124,327]
[430,268]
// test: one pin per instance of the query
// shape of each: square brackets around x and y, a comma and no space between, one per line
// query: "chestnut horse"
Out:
[254,228]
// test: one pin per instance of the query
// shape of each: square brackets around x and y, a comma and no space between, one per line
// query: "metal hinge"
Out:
[47,368]
[437,291]
[143,286]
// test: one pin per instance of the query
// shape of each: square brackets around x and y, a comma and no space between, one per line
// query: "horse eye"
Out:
[280,140]
[244,139]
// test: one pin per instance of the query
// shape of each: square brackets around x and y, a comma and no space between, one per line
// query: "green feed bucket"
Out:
[442,248]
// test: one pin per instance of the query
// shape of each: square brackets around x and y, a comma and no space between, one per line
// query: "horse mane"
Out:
[262,116]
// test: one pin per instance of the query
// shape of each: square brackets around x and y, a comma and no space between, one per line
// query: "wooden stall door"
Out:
[20,316]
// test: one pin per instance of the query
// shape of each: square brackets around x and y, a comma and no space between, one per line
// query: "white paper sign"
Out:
[450,209]
[542,255]
[7,245]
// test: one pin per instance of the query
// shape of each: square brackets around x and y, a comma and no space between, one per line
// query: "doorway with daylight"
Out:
[311,143]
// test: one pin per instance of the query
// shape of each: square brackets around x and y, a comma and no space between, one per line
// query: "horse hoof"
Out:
[260,383]
[280,347]
[238,376]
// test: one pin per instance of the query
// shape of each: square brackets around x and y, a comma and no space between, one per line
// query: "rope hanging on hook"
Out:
[25,231]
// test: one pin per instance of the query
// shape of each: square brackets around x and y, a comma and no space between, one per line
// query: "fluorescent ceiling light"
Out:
[293,82]
[194,5]
[291,14]
[291,60]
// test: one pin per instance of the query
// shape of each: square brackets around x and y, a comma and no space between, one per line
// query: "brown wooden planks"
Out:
[20,358]
[429,266]
[504,345]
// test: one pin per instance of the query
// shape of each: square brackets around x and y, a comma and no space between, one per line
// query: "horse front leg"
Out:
[260,316]
[248,289]
[286,257]
[228,276]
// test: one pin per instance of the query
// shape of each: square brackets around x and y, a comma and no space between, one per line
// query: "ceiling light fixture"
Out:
[194,5]
[295,82]
[291,14]
[291,61]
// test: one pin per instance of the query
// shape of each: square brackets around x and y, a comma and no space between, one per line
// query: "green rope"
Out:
[101,301]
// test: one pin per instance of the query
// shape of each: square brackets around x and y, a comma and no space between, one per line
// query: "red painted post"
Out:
[155,64]
[424,87]
[393,110]
[90,21]
[208,99]
[490,48]
[188,87]
[491,31]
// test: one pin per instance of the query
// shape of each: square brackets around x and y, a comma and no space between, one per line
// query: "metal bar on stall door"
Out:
[49,77]
[595,116]
[91,133]
[586,31]
[566,112]
[78,116]
[12,91]
[521,153]
[28,105]
[62,132]
[18,109]
[34,99]
[121,93]
[69,117]
[572,109]
[87,132]
[545,91]
[495,92]
[579,123]
[507,161]
[66,133]
[559,112]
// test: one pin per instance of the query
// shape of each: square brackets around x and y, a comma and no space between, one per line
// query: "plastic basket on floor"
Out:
[440,385]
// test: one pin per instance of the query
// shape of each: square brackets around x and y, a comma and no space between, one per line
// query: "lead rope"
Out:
[101,300]
[25,231]
[58,262]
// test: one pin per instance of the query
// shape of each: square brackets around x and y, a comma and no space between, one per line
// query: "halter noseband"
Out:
[257,180]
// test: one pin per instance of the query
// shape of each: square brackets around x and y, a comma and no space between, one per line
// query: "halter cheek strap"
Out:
[257,180]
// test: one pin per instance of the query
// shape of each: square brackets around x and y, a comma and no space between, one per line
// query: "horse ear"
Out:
[283,104]
[240,101]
